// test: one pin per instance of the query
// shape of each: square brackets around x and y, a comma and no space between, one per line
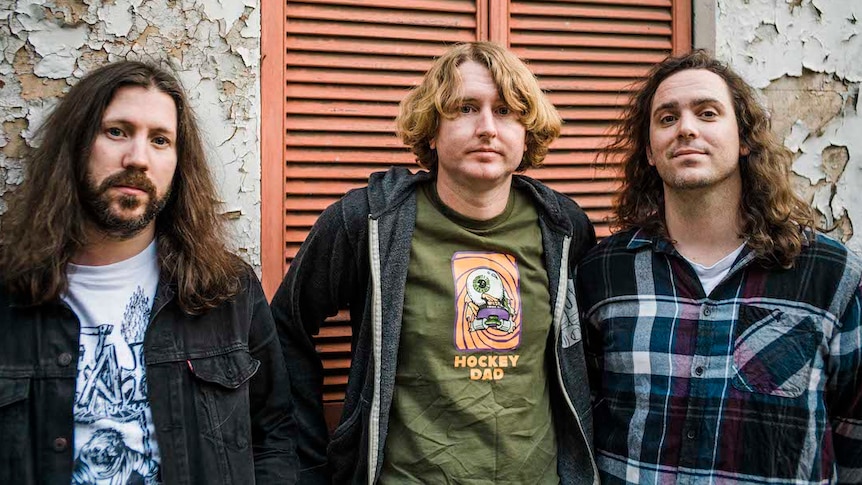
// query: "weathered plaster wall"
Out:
[806,58]
[212,45]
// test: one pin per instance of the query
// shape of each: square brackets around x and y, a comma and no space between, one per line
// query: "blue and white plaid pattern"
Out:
[758,382]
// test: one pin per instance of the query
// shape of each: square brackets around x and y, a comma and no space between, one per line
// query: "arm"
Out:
[844,392]
[273,428]
[315,288]
[592,338]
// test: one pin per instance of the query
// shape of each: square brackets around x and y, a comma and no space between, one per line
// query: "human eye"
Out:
[667,119]
[465,109]
[114,131]
[161,141]
[504,111]
[709,113]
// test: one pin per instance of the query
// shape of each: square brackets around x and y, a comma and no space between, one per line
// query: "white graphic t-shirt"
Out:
[115,441]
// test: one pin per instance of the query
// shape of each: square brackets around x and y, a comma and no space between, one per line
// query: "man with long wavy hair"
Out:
[134,347]
[723,333]
[467,365]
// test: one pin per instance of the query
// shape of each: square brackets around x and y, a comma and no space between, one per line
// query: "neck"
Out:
[705,226]
[103,249]
[479,203]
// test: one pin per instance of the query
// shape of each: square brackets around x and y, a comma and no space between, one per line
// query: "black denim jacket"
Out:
[217,384]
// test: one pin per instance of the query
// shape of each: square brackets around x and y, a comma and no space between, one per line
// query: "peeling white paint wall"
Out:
[806,58]
[212,45]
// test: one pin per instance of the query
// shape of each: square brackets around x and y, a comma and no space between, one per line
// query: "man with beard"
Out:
[722,332]
[122,313]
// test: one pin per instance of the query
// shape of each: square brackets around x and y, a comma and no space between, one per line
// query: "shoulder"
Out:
[619,243]
[560,207]
[829,255]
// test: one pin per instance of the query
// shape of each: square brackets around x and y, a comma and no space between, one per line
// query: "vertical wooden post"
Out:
[272,149]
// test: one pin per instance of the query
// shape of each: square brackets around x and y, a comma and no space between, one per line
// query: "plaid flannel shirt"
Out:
[758,382]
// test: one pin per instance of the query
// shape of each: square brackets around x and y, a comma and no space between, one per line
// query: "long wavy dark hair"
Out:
[776,221]
[44,226]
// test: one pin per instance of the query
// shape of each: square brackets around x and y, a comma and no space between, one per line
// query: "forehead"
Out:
[145,105]
[691,85]
[476,78]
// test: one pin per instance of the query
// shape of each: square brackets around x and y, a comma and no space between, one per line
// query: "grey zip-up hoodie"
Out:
[356,257]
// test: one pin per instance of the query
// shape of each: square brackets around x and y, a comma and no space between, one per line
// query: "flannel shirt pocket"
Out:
[773,351]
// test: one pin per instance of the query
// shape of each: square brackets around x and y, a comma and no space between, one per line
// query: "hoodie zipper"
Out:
[376,345]
[558,318]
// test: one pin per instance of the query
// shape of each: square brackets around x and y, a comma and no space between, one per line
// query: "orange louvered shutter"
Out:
[347,65]
[334,71]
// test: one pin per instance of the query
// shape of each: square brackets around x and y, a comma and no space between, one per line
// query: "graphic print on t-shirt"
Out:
[112,397]
[487,301]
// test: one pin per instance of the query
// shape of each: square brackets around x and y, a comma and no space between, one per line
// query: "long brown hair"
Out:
[44,225]
[437,95]
[775,220]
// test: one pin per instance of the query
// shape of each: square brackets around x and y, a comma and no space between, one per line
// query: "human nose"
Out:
[137,155]
[486,126]
[687,126]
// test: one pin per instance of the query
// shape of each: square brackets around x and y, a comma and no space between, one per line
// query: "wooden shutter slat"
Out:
[568,24]
[384,63]
[353,156]
[581,10]
[360,30]
[586,40]
[344,76]
[427,5]
[381,16]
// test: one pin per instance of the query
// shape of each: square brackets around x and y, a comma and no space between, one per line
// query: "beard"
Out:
[115,222]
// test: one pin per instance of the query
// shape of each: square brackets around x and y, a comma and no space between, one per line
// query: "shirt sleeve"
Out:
[274,429]
[315,287]
[844,391]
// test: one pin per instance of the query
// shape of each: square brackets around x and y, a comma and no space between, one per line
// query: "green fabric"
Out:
[473,406]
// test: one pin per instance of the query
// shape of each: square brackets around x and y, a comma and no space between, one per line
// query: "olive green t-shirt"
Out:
[471,400]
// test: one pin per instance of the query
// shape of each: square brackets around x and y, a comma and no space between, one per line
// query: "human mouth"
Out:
[130,190]
[681,152]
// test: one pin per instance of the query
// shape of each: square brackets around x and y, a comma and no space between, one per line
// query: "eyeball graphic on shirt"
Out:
[487,301]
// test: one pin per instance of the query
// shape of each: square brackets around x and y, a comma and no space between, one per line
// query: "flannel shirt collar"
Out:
[641,239]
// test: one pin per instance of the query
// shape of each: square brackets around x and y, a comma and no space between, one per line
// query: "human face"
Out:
[694,136]
[132,161]
[483,142]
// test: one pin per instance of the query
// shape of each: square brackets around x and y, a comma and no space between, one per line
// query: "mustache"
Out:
[134,178]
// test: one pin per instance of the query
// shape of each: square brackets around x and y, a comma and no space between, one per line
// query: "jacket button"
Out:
[64,359]
[691,434]
[60,444]
[707,310]
[698,370]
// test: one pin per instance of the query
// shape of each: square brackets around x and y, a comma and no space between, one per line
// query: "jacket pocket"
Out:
[13,391]
[344,447]
[15,443]
[221,398]
[774,351]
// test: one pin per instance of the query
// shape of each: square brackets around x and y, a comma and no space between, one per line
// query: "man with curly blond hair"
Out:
[723,333]
[468,364]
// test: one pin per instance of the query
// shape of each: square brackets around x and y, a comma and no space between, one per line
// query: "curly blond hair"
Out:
[438,95]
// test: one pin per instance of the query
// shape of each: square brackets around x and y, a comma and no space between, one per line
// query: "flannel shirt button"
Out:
[707,310]
[698,370]
[691,434]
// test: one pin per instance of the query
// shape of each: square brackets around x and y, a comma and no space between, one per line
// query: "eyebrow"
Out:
[695,102]
[126,124]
